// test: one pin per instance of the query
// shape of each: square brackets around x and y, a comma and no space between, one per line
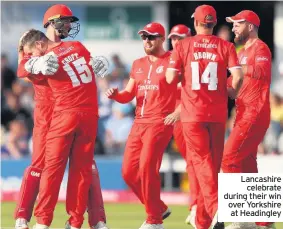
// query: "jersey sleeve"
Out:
[233,61]
[21,71]
[132,72]
[261,69]
[175,61]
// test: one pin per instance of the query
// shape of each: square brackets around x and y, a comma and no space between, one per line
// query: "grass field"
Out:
[120,216]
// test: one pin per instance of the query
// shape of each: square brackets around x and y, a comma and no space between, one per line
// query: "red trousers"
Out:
[181,144]
[71,136]
[240,151]
[204,144]
[142,160]
[30,183]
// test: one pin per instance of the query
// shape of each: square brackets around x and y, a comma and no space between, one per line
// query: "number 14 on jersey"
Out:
[209,76]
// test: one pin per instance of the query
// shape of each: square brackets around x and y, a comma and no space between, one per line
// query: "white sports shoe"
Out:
[40,226]
[21,223]
[151,226]
[241,226]
[68,226]
[191,219]
[166,214]
[271,226]
[100,225]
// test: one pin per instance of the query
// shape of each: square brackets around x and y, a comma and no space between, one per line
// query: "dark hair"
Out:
[209,25]
[256,28]
[32,36]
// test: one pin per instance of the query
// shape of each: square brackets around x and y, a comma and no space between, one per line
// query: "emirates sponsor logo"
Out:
[262,58]
[150,87]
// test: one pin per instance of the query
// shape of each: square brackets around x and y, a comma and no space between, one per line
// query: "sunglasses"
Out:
[150,37]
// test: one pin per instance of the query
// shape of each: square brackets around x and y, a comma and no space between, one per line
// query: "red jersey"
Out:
[155,97]
[204,60]
[73,85]
[253,97]
[42,91]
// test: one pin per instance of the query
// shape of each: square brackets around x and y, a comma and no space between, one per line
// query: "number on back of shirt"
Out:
[209,76]
[83,70]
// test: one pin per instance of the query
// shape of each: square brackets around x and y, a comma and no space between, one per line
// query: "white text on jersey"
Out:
[70,58]
[204,45]
[204,55]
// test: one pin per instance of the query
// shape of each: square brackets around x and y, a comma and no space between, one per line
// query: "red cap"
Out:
[153,28]
[57,11]
[180,31]
[245,15]
[205,14]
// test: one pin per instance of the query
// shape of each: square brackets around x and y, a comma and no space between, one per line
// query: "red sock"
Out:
[28,193]
[95,210]
[263,224]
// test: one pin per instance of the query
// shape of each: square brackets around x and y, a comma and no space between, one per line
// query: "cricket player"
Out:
[253,107]
[60,23]
[205,59]
[72,130]
[179,32]
[149,135]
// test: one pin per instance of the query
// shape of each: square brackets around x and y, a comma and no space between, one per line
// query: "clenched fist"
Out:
[100,65]
[111,92]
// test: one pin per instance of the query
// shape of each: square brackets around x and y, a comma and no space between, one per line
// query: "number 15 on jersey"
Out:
[83,70]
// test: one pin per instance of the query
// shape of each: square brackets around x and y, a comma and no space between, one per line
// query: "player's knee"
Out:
[33,172]
[148,169]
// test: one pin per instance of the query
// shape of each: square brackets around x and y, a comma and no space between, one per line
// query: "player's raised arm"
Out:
[175,65]
[46,64]
[124,96]
[236,72]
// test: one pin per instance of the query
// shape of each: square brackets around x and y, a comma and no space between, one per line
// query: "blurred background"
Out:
[110,29]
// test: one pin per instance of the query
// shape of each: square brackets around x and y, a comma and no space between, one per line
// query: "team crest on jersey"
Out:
[159,69]
[139,71]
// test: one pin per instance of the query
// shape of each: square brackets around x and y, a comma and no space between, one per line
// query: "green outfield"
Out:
[120,216]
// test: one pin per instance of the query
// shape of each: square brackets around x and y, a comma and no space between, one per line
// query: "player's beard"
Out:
[243,37]
[151,51]
[63,34]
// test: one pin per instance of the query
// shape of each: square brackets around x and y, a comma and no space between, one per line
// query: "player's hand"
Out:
[110,93]
[100,65]
[172,118]
[47,65]
[20,45]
